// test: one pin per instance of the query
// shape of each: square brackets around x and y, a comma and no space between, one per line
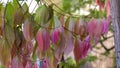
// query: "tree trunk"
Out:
[115,10]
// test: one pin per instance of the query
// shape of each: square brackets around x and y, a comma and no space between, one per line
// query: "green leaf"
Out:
[57,22]
[16,5]
[9,35]
[42,15]
[9,13]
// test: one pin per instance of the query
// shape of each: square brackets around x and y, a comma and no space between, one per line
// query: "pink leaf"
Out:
[29,64]
[106,24]
[16,63]
[98,30]
[55,35]
[77,53]
[39,39]
[69,44]
[45,63]
[91,27]
[81,48]
[46,40]
[60,48]
[108,8]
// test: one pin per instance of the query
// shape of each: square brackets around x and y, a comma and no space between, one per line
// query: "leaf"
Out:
[57,22]
[39,39]
[1,15]
[43,40]
[69,44]
[59,49]
[76,27]
[71,24]
[28,30]
[46,40]
[106,25]
[9,35]
[19,16]
[42,15]
[91,27]
[29,64]
[16,4]
[45,63]
[77,53]
[62,20]
[98,31]
[25,8]
[107,6]
[4,52]
[16,63]
[9,13]
[55,35]
[81,48]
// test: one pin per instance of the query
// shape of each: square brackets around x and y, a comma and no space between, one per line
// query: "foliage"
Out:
[50,33]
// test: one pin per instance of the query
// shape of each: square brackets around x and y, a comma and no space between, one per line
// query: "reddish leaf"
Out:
[29,64]
[16,63]
[18,17]
[76,27]
[46,40]
[39,39]
[55,35]
[27,30]
[91,27]
[45,63]
[60,48]
[43,39]
[81,48]
[77,53]
[98,31]
[108,8]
